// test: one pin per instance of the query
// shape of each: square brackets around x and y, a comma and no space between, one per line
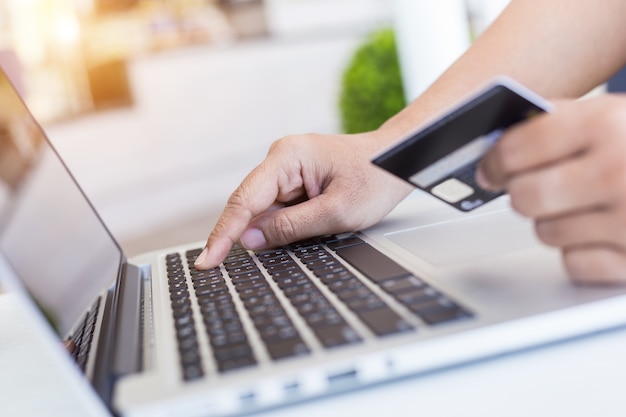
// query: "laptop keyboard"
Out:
[299,271]
[83,336]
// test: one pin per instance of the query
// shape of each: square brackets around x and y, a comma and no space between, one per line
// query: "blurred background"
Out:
[161,107]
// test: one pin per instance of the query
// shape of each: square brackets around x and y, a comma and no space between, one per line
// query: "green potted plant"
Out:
[371,90]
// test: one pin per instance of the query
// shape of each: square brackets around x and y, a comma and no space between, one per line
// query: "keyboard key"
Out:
[243,269]
[306,249]
[224,339]
[440,311]
[330,277]
[306,297]
[403,284]
[264,298]
[197,275]
[284,267]
[384,321]
[418,296]
[298,279]
[345,242]
[237,363]
[300,289]
[337,335]
[371,302]
[443,315]
[306,309]
[192,371]
[271,253]
[315,256]
[322,262]
[179,293]
[277,260]
[218,326]
[217,306]
[349,294]
[238,263]
[188,343]
[213,296]
[347,283]
[190,357]
[319,319]
[253,283]
[247,276]
[190,253]
[284,348]
[274,309]
[211,289]
[278,275]
[245,293]
[232,352]
[329,269]
[261,322]
[372,263]
[270,333]
[185,331]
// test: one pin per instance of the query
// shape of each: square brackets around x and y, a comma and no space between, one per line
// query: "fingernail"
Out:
[201,258]
[253,239]
[481,179]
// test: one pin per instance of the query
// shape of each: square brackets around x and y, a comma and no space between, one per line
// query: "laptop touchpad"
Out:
[468,239]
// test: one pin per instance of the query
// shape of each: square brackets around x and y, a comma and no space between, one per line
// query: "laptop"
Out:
[427,288]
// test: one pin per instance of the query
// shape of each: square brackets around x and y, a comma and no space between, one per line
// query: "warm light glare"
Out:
[67,29]
[42,28]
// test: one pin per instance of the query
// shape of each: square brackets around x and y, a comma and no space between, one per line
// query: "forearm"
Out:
[559,48]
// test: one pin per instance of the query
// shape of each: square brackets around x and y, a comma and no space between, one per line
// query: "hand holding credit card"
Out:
[441,157]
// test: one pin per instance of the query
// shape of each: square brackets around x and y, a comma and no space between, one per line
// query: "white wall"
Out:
[306,17]
[431,35]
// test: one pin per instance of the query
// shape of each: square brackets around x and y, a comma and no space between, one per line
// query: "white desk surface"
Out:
[586,377]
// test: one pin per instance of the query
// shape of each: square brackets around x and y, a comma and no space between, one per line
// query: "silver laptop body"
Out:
[427,288]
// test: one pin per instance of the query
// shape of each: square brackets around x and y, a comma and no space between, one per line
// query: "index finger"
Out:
[254,195]
[543,140]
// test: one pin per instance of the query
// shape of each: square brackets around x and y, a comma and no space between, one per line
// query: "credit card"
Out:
[441,157]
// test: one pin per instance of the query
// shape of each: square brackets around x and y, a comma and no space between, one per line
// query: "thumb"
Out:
[289,224]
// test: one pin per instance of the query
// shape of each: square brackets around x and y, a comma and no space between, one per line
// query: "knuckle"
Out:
[540,194]
[291,143]
[525,199]
[612,173]
[284,144]
[284,229]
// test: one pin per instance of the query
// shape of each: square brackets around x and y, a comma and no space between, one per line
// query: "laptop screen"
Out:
[49,233]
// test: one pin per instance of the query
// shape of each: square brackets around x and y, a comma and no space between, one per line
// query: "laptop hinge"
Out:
[128,328]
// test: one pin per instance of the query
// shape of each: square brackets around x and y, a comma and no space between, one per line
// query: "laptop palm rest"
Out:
[467,239]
